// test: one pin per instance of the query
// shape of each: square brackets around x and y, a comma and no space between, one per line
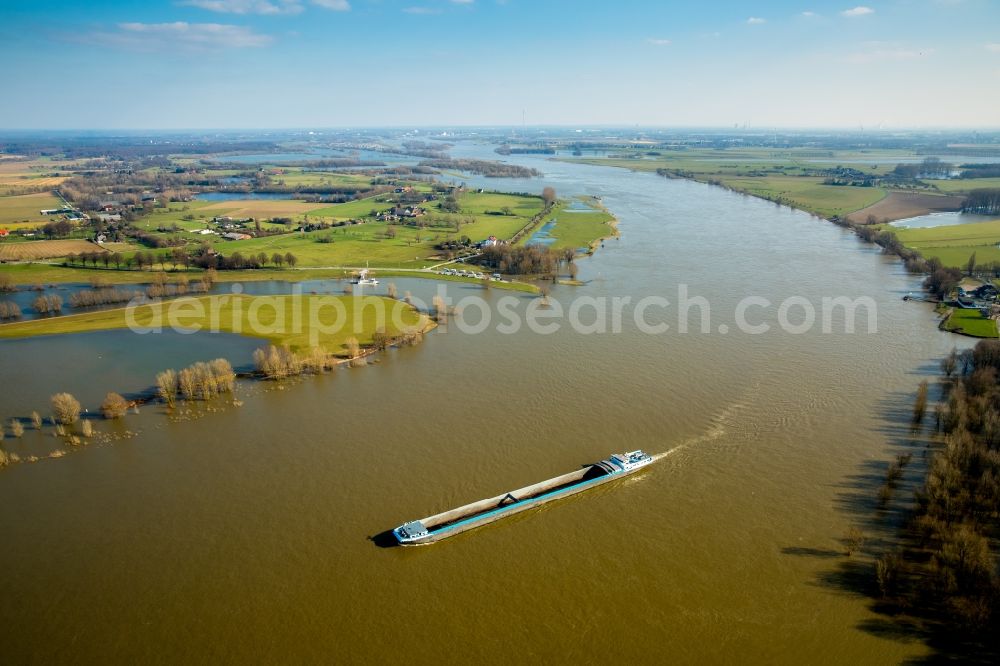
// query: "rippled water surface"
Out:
[244,535]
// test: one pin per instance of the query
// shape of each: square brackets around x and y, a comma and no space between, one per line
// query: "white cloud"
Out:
[247,6]
[754,20]
[860,10]
[995,48]
[658,42]
[421,10]
[335,5]
[809,14]
[180,36]
[463,2]
[882,52]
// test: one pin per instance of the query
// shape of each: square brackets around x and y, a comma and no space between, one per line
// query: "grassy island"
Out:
[301,322]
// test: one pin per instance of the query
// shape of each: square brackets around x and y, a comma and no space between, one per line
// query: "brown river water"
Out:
[244,536]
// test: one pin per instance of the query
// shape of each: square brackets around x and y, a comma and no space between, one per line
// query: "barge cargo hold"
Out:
[449,523]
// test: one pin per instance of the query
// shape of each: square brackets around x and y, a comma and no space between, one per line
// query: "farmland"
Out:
[23,210]
[261,208]
[807,193]
[45,249]
[377,243]
[954,244]
[20,176]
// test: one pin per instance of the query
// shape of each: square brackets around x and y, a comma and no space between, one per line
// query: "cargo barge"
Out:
[449,523]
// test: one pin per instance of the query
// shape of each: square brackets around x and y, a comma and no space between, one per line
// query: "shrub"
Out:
[16,429]
[7,458]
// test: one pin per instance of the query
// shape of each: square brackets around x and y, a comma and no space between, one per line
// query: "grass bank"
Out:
[28,274]
[971,323]
[300,322]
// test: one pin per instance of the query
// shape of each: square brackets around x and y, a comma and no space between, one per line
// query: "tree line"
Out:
[525,259]
[983,202]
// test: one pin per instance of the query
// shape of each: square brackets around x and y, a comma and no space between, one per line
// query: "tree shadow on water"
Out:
[811,552]
[879,512]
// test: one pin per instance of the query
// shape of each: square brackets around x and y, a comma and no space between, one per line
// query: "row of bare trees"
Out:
[199,381]
[48,304]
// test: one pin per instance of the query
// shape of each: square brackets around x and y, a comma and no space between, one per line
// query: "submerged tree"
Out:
[853,541]
[920,405]
[166,386]
[114,406]
[65,409]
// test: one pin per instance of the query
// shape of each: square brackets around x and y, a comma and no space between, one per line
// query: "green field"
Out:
[954,244]
[17,210]
[965,184]
[580,230]
[971,322]
[808,193]
[327,321]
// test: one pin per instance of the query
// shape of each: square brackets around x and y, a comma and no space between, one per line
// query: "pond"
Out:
[941,220]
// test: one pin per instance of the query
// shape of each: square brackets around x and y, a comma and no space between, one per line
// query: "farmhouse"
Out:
[232,235]
[409,211]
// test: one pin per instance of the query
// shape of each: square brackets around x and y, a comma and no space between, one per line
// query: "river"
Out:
[243,536]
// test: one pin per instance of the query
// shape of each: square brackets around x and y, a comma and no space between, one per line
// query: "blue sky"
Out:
[334,63]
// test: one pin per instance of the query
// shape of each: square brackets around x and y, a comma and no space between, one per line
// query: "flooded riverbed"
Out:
[244,535]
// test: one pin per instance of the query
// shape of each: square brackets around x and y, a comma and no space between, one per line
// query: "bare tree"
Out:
[950,363]
[920,406]
[549,196]
[853,541]
[166,385]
